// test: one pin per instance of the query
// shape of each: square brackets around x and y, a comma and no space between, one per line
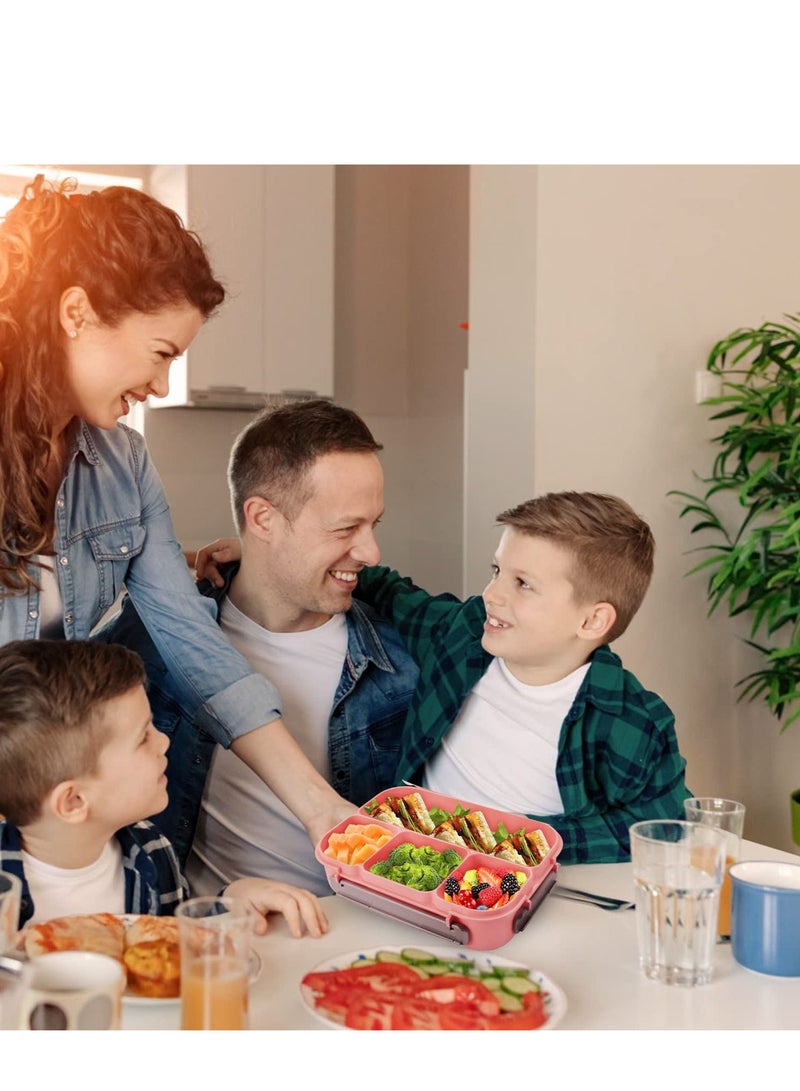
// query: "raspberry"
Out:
[489,895]
[451,886]
[509,884]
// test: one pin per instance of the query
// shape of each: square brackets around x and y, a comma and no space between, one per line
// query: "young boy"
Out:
[520,703]
[80,766]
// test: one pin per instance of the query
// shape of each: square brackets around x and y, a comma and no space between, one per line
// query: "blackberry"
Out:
[478,888]
[509,884]
[451,886]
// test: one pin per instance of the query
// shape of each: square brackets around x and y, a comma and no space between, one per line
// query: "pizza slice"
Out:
[100,932]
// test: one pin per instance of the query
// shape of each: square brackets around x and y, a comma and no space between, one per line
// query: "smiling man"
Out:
[306,488]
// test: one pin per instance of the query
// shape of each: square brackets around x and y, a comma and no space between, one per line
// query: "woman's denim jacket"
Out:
[369,709]
[113,528]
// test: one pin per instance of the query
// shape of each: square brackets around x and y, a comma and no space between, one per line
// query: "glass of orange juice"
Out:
[215,951]
[726,815]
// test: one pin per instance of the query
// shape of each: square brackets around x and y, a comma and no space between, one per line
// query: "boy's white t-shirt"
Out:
[502,748]
[61,892]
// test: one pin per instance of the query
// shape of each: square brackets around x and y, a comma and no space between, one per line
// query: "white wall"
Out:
[639,270]
[595,295]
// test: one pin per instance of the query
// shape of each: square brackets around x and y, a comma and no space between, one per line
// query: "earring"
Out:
[72,333]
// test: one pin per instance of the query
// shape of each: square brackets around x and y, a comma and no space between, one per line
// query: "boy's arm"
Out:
[639,775]
[412,611]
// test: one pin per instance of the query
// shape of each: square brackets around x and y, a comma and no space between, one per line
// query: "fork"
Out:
[600,900]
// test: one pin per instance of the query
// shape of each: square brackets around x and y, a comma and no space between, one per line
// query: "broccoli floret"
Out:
[450,860]
[401,855]
[381,868]
[429,879]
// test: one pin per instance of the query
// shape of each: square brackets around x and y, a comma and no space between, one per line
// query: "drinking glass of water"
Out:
[677,873]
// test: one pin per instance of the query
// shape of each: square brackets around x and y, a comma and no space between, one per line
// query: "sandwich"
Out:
[475,831]
[446,831]
[409,811]
[530,847]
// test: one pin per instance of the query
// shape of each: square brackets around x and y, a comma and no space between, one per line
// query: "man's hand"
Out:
[301,908]
[220,551]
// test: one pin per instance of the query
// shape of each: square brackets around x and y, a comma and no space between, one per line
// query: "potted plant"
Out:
[749,508]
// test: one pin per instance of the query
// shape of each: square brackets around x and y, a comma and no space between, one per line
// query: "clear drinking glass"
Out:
[10,895]
[726,815]
[215,953]
[677,874]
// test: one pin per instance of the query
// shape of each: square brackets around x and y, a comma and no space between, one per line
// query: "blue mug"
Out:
[765,916]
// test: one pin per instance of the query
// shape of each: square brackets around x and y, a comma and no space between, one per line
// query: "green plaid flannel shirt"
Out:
[618,759]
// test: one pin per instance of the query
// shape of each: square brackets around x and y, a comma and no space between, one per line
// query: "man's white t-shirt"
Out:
[502,749]
[60,892]
[243,828]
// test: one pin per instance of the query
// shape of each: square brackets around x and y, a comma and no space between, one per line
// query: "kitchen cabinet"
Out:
[269,231]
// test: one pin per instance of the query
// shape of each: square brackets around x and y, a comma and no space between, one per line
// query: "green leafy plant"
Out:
[753,558]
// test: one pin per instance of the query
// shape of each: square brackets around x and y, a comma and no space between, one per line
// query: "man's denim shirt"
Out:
[369,709]
[113,528]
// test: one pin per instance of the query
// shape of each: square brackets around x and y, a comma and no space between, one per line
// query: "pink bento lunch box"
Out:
[429,909]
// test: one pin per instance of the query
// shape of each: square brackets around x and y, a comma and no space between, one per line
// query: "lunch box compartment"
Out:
[481,859]
[356,819]
[428,909]
[391,886]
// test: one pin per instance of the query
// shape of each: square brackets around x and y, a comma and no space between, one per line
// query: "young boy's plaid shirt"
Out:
[153,880]
[618,759]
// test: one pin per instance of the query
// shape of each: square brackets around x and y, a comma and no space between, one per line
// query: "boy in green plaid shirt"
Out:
[521,704]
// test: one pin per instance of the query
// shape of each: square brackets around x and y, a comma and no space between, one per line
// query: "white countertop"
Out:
[589,952]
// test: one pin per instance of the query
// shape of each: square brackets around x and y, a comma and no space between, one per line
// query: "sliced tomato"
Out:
[416,1013]
[381,976]
[531,1016]
[450,988]
[337,1002]
[462,1017]
[371,1011]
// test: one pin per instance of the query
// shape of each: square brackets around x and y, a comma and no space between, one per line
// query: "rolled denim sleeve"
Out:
[211,678]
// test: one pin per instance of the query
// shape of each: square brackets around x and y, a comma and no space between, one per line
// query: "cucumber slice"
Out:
[363,962]
[518,986]
[492,982]
[509,1002]
[417,957]
[434,969]
[388,956]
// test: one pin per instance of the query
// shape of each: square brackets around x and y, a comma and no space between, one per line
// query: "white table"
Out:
[589,952]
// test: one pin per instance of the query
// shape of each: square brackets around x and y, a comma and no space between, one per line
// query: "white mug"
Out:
[73,990]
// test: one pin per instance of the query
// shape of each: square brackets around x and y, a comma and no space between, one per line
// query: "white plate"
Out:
[555,1002]
[163,1001]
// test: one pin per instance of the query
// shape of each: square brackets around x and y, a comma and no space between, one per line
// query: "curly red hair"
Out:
[130,254]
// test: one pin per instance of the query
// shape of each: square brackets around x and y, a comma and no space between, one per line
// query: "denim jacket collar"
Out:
[363,643]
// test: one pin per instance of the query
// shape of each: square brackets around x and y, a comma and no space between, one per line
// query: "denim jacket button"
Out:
[68,618]
[123,549]
[33,614]
[63,560]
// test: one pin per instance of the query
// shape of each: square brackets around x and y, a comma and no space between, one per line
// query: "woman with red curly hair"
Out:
[98,295]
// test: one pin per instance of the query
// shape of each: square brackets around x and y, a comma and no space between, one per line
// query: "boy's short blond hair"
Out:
[52,728]
[612,548]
